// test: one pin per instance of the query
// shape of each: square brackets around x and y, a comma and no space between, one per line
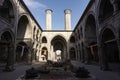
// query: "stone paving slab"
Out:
[94,70]
[100,75]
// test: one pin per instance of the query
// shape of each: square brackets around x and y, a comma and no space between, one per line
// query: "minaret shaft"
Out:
[48,19]
[67,19]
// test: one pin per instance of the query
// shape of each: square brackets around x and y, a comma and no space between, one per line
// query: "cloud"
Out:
[34,4]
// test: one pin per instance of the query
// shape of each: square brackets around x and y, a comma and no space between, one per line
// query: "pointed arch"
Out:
[6,45]
[7,11]
[90,28]
[22,52]
[44,39]
[72,39]
[109,47]
[105,9]
[44,53]
[24,29]
[72,53]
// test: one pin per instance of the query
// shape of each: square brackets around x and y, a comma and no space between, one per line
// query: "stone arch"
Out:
[8,31]
[109,47]
[44,53]
[91,38]
[59,43]
[6,46]
[72,53]
[7,11]
[22,51]
[44,39]
[24,29]
[105,9]
[72,39]
[90,28]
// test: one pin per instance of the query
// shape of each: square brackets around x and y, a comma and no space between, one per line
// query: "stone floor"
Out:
[94,70]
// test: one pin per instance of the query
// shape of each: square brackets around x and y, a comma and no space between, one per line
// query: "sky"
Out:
[38,7]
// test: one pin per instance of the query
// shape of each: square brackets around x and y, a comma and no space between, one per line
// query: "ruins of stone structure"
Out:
[95,38]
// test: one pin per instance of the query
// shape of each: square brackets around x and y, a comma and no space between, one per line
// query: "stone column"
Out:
[10,58]
[33,55]
[119,50]
[87,55]
[82,53]
[116,4]
[118,43]
[76,52]
[29,56]
[102,58]
[51,52]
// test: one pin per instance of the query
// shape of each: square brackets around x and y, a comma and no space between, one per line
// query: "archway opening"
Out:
[44,39]
[59,44]
[23,30]
[105,9]
[6,11]
[22,52]
[6,40]
[72,54]
[91,39]
[72,39]
[110,47]
[44,54]
[58,55]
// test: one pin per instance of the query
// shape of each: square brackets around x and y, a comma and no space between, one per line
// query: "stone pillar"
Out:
[10,58]
[48,19]
[52,53]
[118,43]
[102,58]
[82,53]
[68,52]
[119,50]
[67,19]
[87,55]
[33,55]
[116,4]
[29,56]
[76,52]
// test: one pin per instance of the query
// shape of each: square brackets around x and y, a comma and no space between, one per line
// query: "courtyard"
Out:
[61,75]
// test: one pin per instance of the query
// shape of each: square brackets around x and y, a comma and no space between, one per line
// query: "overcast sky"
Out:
[38,7]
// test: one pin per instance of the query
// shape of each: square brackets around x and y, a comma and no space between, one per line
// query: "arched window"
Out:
[105,9]
[72,39]
[34,32]
[81,33]
[44,40]
[44,53]
[37,34]
[90,30]
[72,54]
[6,10]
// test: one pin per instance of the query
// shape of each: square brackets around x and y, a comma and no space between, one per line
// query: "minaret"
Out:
[67,19]
[48,19]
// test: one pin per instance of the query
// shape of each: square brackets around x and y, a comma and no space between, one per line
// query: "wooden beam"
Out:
[112,40]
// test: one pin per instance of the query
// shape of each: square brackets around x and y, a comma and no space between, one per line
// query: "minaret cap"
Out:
[48,11]
[67,11]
